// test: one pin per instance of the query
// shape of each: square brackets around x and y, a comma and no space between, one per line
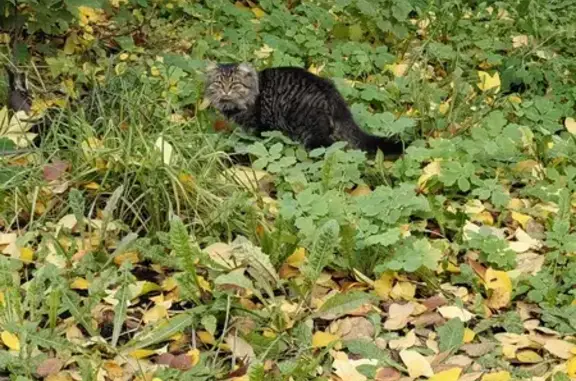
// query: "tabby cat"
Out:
[307,108]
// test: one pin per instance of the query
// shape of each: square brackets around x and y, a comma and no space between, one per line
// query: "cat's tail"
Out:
[347,129]
[372,143]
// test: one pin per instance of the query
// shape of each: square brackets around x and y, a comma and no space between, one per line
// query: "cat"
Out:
[307,108]
[19,98]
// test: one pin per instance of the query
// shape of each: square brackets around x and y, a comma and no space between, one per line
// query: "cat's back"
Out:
[286,78]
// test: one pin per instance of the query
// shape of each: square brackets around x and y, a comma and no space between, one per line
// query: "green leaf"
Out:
[121,308]
[162,332]
[322,250]
[341,304]
[451,335]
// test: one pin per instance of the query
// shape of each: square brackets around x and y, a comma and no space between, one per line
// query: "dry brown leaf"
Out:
[519,41]
[451,312]
[478,350]
[387,374]
[405,342]
[346,368]
[49,366]
[427,319]
[353,328]
[471,376]
[434,302]
[240,347]
[529,263]
[403,291]
[398,316]
[560,348]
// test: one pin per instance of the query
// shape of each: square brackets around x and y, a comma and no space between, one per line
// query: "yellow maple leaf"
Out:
[447,375]
[323,339]
[501,285]
[497,376]
[10,340]
[489,82]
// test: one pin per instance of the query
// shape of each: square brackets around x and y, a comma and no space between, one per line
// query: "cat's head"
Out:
[231,86]
[18,93]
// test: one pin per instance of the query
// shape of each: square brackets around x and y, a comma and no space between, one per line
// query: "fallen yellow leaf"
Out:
[26,255]
[416,363]
[258,12]
[489,82]
[399,70]
[501,285]
[403,291]
[10,340]
[497,376]
[141,353]
[447,375]
[297,258]
[571,367]
[155,314]
[80,284]
[194,354]
[323,339]
[570,125]
[206,337]
[519,41]
[528,357]
[429,171]
[469,335]
[383,286]
[521,218]
[361,190]
[444,107]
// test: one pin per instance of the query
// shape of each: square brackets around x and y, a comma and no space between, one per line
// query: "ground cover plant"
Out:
[149,239]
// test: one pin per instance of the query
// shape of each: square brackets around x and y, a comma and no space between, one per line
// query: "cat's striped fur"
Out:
[305,107]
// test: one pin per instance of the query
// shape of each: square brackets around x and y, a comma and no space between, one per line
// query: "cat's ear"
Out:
[211,66]
[247,68]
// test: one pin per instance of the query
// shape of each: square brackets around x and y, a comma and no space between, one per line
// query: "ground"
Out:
[149,239]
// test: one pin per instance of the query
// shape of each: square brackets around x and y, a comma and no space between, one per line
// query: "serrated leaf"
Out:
[259,265]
